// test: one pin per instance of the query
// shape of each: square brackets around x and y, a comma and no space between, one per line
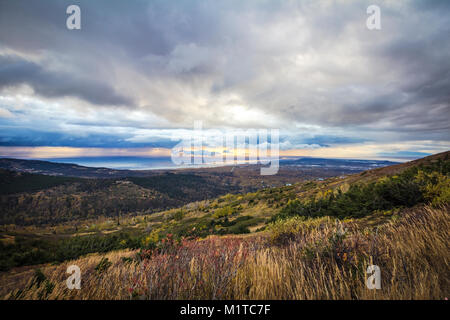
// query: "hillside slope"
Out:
[312,240]
[36,192]
[319,261]
[393,188]
[370,199]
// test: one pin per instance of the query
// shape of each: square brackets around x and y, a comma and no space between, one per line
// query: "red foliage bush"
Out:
[189,269]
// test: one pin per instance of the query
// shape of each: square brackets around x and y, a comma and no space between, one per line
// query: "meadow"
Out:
[295,259]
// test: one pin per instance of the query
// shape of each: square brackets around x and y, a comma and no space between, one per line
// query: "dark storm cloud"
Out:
[15,71]
[32,138]
[432,4]
[407,86]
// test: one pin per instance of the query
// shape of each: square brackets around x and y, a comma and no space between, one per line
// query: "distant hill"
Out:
[28,198]
[397,168]
[73,170]
[348,163]
[64,169]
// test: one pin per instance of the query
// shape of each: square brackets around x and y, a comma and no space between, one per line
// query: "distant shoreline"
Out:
[165,163]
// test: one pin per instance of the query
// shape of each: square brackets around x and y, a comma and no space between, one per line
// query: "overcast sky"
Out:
[139,72]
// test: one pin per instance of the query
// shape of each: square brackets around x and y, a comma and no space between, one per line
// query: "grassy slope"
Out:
[319,263]
[254,209]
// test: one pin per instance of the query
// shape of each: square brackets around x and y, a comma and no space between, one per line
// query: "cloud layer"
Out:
[139,70]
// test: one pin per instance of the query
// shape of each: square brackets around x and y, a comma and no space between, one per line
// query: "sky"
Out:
[138,74]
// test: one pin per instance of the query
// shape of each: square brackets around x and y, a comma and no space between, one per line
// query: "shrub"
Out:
[282,232]
[425,184]
[223,212]
[435,186]
[38,277]
[103,265]
[178,215]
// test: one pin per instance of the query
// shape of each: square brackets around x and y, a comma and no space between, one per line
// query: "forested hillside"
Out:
[30,199]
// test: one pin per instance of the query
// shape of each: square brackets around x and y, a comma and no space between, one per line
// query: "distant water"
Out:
[146,163]
[130,163]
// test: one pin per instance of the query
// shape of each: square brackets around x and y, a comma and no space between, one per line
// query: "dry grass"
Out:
[317,262]
[413,255]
